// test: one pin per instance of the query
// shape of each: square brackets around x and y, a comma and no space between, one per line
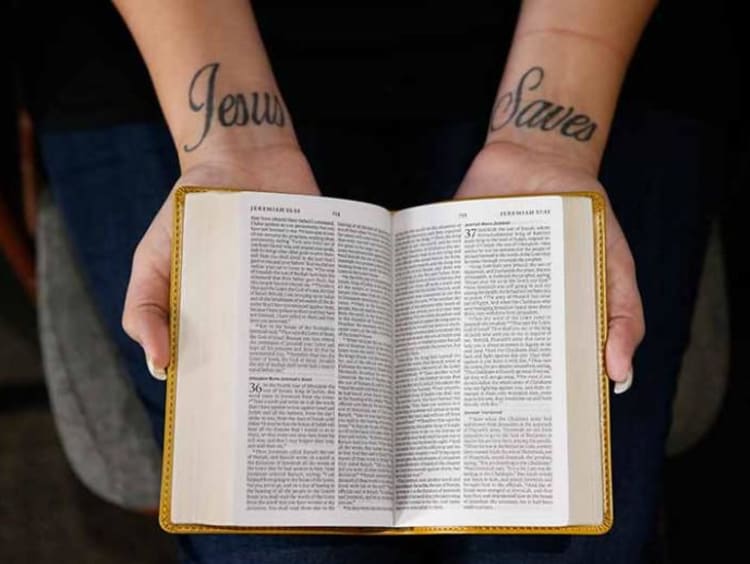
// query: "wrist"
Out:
[239,152]
[233,145]
[558,96]
[270,168]
[225,111]
[584,157]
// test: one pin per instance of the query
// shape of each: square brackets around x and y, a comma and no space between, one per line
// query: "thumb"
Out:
[146,315]
[624,335]
[625,324]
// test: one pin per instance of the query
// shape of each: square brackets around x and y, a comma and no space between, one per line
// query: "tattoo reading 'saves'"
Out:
[258,108]
[511,108]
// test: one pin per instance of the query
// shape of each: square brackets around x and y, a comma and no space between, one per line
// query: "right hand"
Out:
[274,168]
[503,168]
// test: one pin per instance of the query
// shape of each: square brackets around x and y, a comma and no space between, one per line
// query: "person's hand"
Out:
[277,168]
[508,168]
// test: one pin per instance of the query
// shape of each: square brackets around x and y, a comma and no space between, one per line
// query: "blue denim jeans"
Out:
[659,171]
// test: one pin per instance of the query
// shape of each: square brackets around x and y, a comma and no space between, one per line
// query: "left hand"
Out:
[507,168]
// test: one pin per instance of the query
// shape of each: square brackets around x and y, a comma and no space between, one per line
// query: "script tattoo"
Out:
[232,109]
[511,108]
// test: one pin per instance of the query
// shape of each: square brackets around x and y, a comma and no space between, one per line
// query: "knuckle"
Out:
[128,323]
[640,329]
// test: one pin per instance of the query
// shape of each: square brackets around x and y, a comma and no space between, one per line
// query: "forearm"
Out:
[564,73]
[211,74]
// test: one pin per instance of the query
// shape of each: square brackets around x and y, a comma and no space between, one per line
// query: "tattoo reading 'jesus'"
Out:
[258,108]
[512,109]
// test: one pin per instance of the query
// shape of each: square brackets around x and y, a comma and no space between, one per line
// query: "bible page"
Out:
[302,434]
[480,364]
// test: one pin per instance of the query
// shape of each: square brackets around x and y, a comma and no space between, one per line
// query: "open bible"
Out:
[338,367]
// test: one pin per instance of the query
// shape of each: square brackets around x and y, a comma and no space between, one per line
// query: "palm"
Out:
[504,168]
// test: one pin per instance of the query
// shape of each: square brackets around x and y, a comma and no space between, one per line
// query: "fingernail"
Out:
[158,373]
[624,386]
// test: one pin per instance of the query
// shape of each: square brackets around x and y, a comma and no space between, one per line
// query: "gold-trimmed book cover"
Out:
[165,518]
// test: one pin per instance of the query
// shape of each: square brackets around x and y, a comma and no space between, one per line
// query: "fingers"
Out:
[146,313]
[625,316]
[624,337]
